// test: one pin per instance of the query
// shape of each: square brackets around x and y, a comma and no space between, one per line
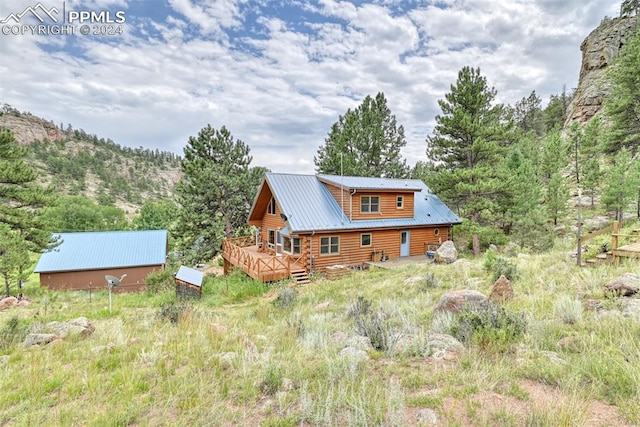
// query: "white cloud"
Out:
[278,74]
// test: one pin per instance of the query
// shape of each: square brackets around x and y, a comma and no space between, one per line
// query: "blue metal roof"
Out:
[310,206]
[190,275]
[108,249]
[365,183]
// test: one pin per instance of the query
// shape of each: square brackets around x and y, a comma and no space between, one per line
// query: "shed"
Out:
[188,282]
[81,260]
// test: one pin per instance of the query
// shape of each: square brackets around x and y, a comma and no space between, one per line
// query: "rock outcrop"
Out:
[599,50]
[27,128]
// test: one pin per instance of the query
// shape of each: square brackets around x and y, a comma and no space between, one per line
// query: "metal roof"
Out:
[190,275]
[309,205]
[366,183]
[108,249]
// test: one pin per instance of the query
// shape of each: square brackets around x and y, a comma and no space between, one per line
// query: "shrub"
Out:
[271,380]
[488,325]
[286,297]
[13,332]
[499,266]
[159,281]
[569,309]
[429,281]
[374,325]
[174,310]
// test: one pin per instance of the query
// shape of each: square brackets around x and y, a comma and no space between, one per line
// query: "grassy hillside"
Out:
[250,354]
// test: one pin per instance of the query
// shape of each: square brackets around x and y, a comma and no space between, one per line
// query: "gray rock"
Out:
[39,339]
[8,302]
[355,354]
[356,341]
[322,306]
[427,417]
[339,338]
[631,308]
[624,285]
[288,384]
[454,301]
[442,346]
[446,253]
[411,280]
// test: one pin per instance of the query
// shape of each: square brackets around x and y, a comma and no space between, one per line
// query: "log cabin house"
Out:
[308,223]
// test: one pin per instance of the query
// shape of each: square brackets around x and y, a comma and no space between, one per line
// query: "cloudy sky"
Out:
[278,73]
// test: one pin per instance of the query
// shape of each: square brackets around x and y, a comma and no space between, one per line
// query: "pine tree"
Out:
[364,142]
[621,183]
[467,143]
[20,196]
[622,108]
[216,192]
[527,114]
[14,257]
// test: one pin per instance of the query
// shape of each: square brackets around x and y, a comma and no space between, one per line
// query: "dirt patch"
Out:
[533,402]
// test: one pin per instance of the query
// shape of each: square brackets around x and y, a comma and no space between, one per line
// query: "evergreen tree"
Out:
[527,114]
[14,257]
[622,108]
[621,183]
[554,155]
[216,192]
[557,195]
[20,196]
[629,8]
[590,157]
[364,142]
[467,143]
[555,114]
[77,213]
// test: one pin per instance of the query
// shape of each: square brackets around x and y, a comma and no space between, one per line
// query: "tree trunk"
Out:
[6,285]
[476,244]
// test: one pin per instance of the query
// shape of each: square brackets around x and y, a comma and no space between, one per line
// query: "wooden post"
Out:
[579,252]
[614,242]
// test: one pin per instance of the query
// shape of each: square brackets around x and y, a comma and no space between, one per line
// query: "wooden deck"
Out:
[631,250]
[263,266]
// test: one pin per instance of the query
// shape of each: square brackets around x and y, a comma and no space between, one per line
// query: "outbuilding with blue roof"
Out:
[81,260]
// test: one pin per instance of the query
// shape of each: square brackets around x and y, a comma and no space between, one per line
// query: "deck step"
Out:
[301,277]
[602,256]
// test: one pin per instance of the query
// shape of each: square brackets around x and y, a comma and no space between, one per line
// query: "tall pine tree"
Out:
[216,192]
[467,143]
[364,142]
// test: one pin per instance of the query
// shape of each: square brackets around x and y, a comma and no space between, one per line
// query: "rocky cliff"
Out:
[27,127]
[599,50]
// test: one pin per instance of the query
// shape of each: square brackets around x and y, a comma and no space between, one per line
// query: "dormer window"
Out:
[271,208]
[369,204]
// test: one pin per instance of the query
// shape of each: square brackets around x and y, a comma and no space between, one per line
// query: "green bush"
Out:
[488,326]
[499,266]
[13,332]
[173,311]
[271,380]
[160,281]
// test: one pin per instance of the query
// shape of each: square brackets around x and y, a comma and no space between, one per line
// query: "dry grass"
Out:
[234,358]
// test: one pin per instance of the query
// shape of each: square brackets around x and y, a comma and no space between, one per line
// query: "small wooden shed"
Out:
[188,282]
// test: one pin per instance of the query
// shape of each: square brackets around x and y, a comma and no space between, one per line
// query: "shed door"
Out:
[404,243]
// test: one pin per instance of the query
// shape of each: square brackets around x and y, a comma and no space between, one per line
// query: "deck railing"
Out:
[262,267]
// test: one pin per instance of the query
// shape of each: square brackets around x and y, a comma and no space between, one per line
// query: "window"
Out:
[400,202]
[271,208]
[436,231]
[272,238]
[291,245]
[369,204]
[329,245]
[365,240]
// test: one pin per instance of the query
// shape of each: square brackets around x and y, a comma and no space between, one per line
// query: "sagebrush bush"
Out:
[13,332]
[499,266]
[569,309]
[286,297]
[375,325]
[430,281]
[488,326]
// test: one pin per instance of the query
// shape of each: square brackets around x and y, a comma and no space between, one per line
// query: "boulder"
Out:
[442,346]
[8,302]
[355,354]
[427,417]
[71,328]
[446,253]
[454,301]
[322,306]
[631,308]
[501,291]
[624,285]
[39,339]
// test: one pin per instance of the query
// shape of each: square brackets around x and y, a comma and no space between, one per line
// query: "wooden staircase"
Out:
[604,258]
[300,276]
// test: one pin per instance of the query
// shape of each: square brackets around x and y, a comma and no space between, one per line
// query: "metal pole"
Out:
[109,299]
